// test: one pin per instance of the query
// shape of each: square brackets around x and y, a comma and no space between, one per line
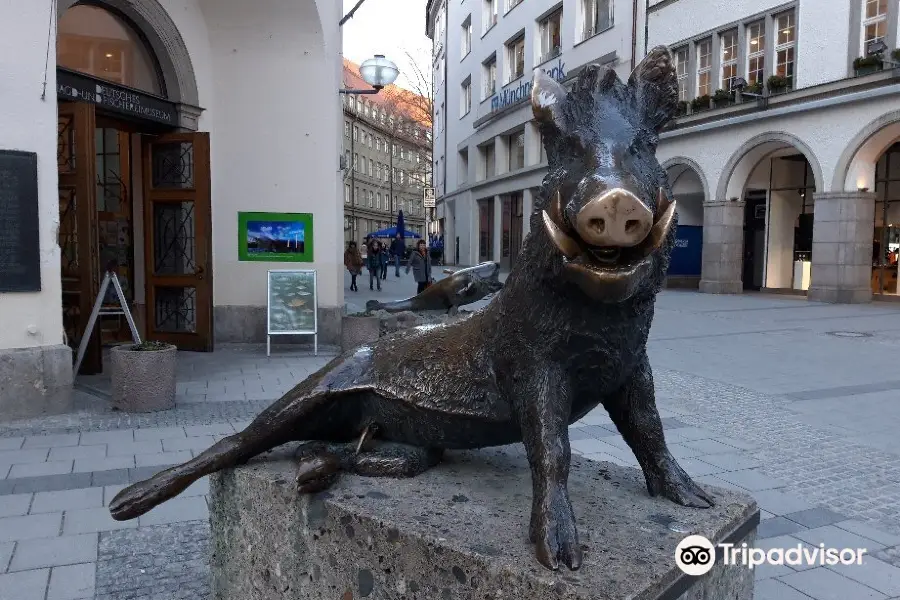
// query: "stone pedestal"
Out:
[35,381]
[842,247]
[723,248]
[459,531]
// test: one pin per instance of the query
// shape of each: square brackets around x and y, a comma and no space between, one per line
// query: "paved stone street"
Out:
[792,401]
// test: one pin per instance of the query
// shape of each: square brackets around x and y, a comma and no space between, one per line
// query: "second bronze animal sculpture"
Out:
[567,333]
[462,287]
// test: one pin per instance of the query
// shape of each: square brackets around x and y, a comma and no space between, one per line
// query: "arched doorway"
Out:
[776,177]
[689,189]
[134,195]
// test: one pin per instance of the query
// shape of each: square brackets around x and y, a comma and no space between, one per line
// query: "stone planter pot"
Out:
[356,331]
[143,380]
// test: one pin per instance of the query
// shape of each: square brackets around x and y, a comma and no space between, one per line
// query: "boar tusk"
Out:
[660,229]
[662,203]
[556,210]
[564,243]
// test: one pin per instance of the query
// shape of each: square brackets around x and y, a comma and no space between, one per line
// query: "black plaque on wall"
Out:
[20,245]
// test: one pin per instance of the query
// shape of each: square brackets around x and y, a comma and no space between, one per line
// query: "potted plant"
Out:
[681,108]
[721,98]
[867,64]
[777,84]
[700,103]
[754,88]
[143,376]
[358,329]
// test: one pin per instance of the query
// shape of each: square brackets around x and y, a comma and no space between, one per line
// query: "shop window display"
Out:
[886,232]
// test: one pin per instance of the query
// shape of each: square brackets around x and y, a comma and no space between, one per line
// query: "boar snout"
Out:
[617,218]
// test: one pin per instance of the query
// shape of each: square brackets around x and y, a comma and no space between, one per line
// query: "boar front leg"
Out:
[633,410]
[543,410]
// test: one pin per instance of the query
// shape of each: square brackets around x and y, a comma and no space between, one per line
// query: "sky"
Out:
[393,28]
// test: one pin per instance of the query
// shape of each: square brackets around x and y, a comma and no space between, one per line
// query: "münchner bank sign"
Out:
[510,96]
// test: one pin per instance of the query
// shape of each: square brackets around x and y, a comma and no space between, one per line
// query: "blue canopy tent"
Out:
[392,232]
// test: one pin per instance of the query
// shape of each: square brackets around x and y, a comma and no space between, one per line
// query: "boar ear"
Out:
[547,98]
[655,86]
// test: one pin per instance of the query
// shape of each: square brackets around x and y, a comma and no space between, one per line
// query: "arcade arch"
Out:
[690,190]
[776,176]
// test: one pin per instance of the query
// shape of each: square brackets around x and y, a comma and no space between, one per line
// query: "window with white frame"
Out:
[347,128]
[515,58]
[466,37]
[681,56]
[704,68]
[346,194]
[511,4]
[378,200]
[598,16]
[785,42]
[551,39]
[490,14]
[756,52]
[874,23]
[490,164]
[489,77]
[728,42]
[371,171]
[516,144]
[465,97]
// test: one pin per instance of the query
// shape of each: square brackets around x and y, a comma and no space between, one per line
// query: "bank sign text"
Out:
[512,95]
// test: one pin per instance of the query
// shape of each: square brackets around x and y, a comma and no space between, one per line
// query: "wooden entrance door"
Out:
[78,239]
[177,234]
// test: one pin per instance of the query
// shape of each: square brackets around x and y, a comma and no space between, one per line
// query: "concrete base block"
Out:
[247,324]
[682,282]
[356,331]
[460,531]
[35,381]
[721,287]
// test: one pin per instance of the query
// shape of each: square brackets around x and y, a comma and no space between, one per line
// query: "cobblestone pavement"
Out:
[792,401]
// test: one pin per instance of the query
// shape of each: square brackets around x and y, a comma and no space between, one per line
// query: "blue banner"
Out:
[687,256]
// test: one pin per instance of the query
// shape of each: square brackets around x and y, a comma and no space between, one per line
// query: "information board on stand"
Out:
[292,305]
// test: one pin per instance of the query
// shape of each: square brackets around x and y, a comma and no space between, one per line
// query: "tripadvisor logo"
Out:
[695,555]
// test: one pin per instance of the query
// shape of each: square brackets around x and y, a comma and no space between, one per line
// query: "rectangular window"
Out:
[511,4]
[704,66]
[371,199]
[490,77]
[490,163]
[371,171]
[729,57]
[598,16]
[874,23]
[756,52]
[681,69]
[490,14]
[346,159]
[465,97]
[346,129]
[551,38]
[356,197]
[466,37]
[346,194]
[355,133]
[356,162]
[515,58]
[786,40]
[516,143]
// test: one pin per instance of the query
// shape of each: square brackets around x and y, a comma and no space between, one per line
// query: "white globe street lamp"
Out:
[377,72]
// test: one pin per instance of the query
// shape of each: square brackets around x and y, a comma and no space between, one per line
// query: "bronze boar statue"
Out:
[567,333]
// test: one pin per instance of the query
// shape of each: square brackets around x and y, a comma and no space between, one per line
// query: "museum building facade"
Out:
[133,135]
[784,156]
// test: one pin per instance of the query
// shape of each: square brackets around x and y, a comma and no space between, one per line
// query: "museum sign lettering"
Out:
[511,96]
[77,87]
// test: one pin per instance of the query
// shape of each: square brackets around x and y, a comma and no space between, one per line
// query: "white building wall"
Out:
[28,123]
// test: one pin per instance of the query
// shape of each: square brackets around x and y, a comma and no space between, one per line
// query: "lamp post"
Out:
[377,72]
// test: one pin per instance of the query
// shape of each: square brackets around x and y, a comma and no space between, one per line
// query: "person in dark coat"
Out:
[420,263]
[385,258]
[354,263]
[398,249]
[373,263]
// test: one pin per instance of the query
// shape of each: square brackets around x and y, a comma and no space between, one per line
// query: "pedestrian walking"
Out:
[420,263]
[398,249]
[373,262]
[385,258]
[354,263]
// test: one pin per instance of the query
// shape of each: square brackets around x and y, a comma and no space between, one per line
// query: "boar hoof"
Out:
[677,486]
[553,532]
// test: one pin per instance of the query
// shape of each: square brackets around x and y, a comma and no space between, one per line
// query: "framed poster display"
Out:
[292,305]
[275,237]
